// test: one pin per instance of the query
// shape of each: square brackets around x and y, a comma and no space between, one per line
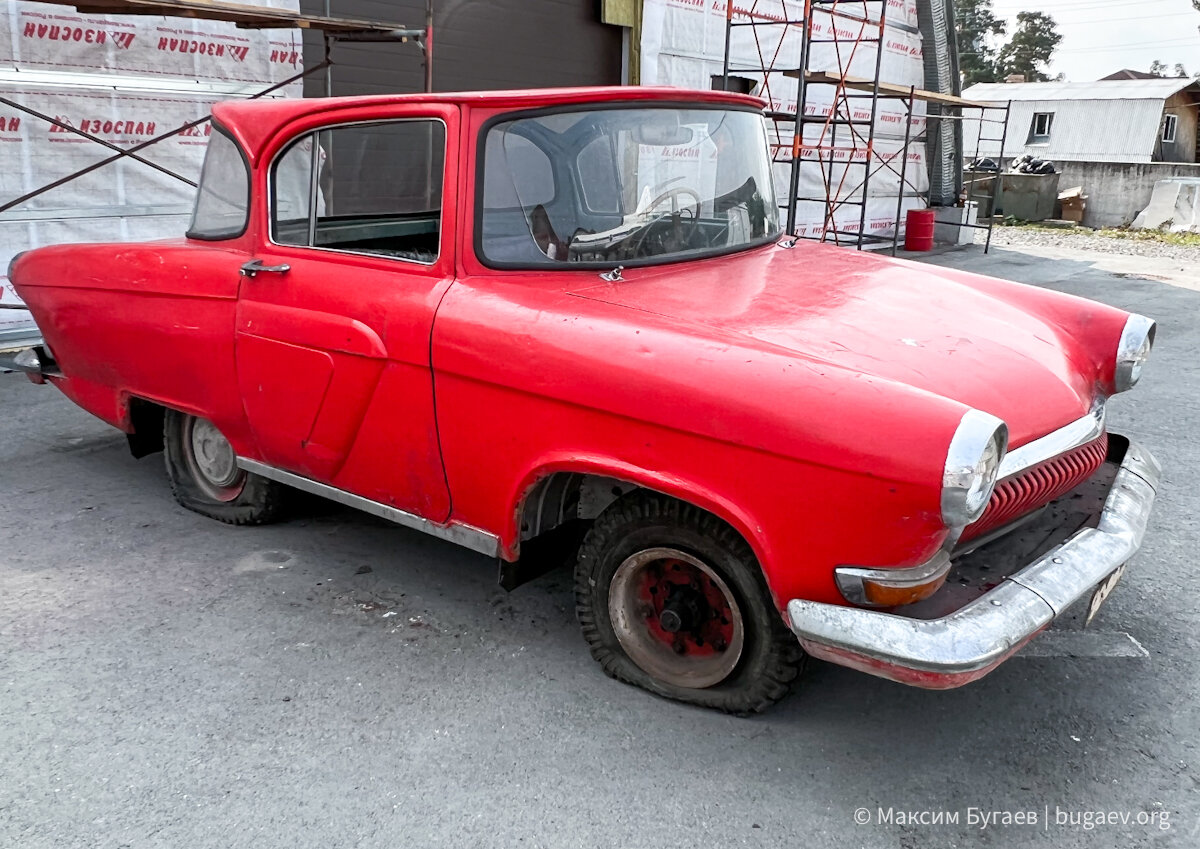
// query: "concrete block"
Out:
[1175,205]
[1118,191]
[949,229]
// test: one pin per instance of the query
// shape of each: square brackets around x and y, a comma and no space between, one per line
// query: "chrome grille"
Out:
[1038,485]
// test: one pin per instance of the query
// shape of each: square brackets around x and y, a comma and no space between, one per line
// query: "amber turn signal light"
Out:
[882,595]
[893,587]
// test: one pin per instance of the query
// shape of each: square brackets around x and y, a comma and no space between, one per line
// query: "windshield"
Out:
[625,186]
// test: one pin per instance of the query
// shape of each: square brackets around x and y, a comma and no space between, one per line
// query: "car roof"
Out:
[254,122]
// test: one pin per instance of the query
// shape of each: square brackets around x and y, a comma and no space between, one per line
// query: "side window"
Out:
[365,188]
[292,190]
[223,199]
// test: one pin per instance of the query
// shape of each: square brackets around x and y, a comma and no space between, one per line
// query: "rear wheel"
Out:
[204,475]
[672,599]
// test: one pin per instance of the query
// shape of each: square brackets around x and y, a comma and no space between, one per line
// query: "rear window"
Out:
[223,198]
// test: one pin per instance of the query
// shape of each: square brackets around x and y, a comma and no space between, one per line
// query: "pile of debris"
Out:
[1031,165]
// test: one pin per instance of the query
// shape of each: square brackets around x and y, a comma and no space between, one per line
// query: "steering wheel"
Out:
[676,212]
[671,195]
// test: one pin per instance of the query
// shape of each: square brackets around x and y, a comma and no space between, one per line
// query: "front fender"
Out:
[816,466]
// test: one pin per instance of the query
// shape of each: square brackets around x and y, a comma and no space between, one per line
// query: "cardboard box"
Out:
[1074,204]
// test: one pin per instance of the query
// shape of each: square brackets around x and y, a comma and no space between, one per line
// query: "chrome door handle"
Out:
[255,266]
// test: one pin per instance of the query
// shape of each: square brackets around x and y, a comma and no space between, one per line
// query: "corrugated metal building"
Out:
[1105,121]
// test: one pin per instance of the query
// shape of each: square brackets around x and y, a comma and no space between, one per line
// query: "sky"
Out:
[1102,36]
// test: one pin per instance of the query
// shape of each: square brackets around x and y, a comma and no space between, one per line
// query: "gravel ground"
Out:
[1089,240]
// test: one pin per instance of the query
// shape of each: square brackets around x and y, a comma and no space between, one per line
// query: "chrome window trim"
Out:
[1075,435]
[279,154]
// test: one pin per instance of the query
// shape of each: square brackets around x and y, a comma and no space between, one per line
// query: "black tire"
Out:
[641,524]
[238,499]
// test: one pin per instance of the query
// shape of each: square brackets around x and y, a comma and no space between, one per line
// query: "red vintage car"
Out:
[568,323]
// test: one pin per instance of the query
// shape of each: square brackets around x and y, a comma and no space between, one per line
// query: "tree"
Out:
[975,26]
[1030,48]
[1159,69]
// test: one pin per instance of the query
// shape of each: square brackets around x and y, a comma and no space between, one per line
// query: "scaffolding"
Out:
[982,192]
[834,142]
[990,189]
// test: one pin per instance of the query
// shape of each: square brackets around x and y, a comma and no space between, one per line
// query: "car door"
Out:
[336,308]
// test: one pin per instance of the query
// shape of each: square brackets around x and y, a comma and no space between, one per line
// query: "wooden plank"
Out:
[891,90]
[620,13]
[244,15]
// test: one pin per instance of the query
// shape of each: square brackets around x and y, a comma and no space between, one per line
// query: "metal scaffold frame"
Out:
[993,185]
[847,138]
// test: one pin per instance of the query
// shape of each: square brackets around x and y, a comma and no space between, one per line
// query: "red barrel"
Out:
[919,235]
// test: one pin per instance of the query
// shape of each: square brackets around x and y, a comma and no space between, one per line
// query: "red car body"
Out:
[803,394]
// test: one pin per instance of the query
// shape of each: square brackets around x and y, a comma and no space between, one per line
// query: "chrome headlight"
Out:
[1137,340]
[972,467]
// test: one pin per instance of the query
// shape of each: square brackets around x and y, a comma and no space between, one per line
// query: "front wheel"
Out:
[672,599]
[204,475]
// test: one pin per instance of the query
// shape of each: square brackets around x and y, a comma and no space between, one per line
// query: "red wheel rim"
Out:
[676,618]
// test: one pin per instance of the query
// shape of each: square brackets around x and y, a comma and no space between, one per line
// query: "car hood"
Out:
[935,330]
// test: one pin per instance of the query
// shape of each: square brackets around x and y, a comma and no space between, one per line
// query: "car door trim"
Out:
[309,329]
[455,532]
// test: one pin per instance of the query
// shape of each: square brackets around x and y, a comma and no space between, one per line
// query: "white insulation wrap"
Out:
[37,36]
[683,44]
[124,79]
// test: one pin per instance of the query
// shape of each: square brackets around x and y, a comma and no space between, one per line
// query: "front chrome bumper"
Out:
[941,654]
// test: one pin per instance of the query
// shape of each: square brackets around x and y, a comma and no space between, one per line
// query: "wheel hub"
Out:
[676,618]
[685,610]
[214,456]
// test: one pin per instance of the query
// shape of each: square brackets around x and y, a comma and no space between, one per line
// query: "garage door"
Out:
[479,44]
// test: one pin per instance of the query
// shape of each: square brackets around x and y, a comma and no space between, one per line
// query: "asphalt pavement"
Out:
[335,681]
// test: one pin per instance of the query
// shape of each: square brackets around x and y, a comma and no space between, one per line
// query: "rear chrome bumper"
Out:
[16,339]
[35,362]
[944,653]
